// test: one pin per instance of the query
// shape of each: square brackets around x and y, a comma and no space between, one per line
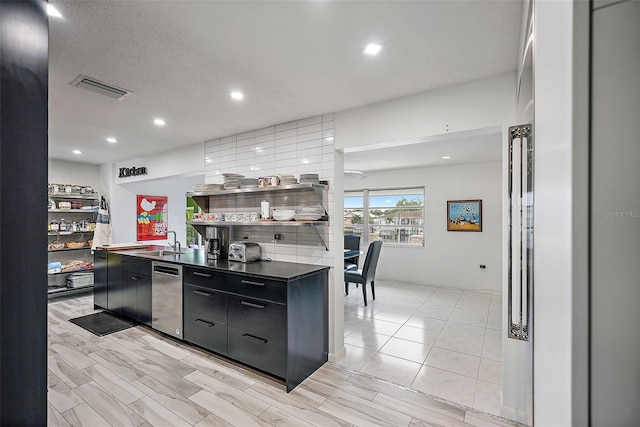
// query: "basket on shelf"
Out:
[74,245]
[90,242]
[56,245]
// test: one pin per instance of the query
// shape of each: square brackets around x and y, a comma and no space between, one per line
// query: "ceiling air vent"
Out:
[99,87]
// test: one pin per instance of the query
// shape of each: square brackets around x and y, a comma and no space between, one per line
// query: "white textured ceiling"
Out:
[463,147]
[292,60]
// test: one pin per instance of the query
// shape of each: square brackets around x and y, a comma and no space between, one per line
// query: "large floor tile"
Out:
[367,340]
[355,357]
[419,335]
[492,348]
[475,298]
[409,350]
[487,397]
[394,316]
[454,387]
[462,338]
[496,302]
[378,326]
[494,320]
[426,323]
[435,312]
[490,371]
[469,315]
[453,361]
[390,368]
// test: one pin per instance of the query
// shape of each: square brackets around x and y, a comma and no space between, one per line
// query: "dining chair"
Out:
[352,242]
[368,272]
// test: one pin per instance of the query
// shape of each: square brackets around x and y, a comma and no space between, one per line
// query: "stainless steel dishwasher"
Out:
[166,298]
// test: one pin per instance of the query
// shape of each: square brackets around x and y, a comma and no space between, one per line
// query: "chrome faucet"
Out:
[176,244]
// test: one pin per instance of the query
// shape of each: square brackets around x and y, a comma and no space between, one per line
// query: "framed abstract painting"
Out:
[464,215]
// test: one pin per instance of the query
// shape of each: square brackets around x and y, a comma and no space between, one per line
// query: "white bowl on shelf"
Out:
[283,214]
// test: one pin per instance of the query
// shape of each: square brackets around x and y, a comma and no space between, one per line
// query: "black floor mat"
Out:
[102,323]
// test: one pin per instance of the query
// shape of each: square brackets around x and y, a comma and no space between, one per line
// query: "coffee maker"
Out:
[217,243]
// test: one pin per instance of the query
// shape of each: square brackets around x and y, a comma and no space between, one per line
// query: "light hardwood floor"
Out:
[138,377]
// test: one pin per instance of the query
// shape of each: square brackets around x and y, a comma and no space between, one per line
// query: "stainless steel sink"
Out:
[161,253]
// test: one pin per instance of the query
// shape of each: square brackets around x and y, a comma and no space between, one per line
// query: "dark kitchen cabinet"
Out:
[257,350]
[114,283]
[100,279]
[277,326]
[205,309]
[274,319]
[123,285]
[136,289]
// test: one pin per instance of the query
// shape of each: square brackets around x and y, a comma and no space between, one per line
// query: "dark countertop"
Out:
[197,258]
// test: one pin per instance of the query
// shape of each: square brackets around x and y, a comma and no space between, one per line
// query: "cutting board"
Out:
[122,246]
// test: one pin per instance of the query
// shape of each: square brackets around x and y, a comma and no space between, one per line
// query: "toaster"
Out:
[244,251]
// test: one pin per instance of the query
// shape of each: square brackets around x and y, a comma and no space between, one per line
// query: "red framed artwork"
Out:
[152,217]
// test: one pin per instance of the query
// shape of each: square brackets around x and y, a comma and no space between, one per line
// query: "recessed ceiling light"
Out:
[329,138]
[237,95]
[52,11]
[159,122]
[112,140]
[77,152]
[372,49]
[305,161]
[208,159]
[445,157]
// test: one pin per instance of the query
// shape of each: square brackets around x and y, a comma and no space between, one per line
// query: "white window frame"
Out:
[364,239]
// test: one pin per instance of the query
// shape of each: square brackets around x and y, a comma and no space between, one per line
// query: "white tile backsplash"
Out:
[310,136]
[310,129]
[245,135]
[327,117]
[309,121]
[294,147]
[286,126]
[286,134]
[284,149]
[309,152]
[265,131]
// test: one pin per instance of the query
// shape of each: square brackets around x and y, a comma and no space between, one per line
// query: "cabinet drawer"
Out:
[271,290]
[205,333]
[207,303]
[203,277]
[262,317]
[136,265]
[258,351]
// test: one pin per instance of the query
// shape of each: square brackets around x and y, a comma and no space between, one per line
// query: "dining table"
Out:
[350,259]
[350,254]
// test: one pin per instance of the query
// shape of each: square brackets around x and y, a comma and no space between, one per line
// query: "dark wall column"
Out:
[24,48]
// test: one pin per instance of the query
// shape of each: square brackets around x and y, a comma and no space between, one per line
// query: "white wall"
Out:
[468,106]
[187,160]
[615,216]
[448,258]
[170,173]
[66,172]
[558,114]
[124,200]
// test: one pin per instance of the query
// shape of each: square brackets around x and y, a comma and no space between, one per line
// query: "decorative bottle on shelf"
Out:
[54,225]
[63,225]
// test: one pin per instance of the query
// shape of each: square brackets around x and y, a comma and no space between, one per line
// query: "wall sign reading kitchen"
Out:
[132,171]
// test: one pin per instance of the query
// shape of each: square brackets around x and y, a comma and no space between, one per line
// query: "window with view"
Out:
[396,215]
